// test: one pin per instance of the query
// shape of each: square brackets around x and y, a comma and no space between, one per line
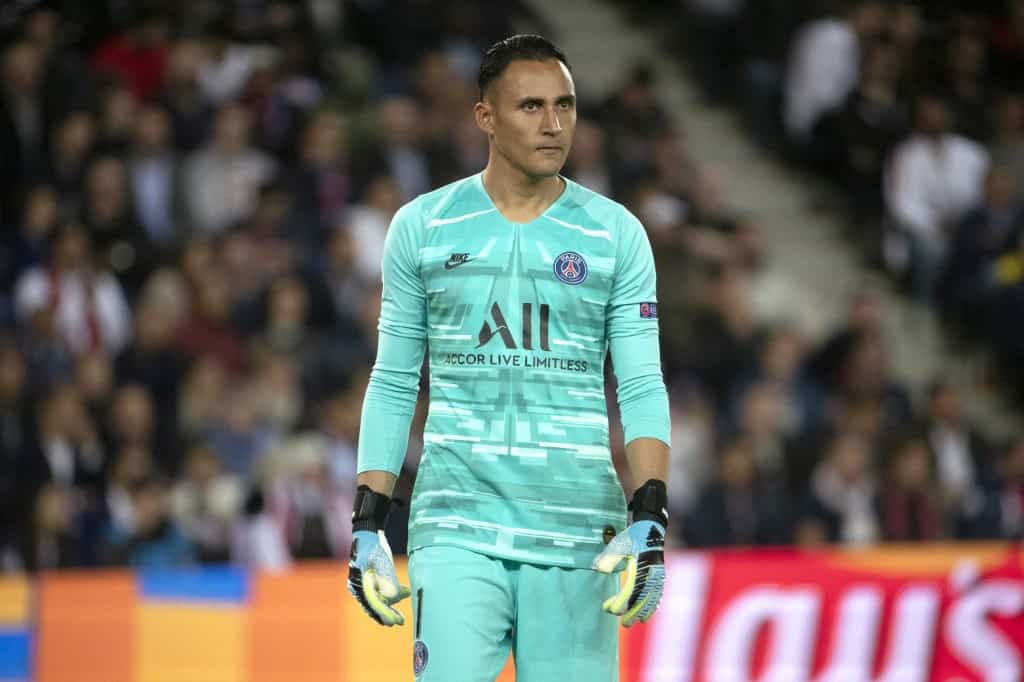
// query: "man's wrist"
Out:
[370,510]
[650,502]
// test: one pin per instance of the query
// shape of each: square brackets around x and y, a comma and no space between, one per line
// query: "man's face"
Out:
[530,114]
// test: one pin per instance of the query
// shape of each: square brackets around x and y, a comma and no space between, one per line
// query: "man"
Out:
[517,282]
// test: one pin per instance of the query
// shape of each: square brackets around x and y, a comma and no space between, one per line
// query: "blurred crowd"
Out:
[193,200]
[914,111]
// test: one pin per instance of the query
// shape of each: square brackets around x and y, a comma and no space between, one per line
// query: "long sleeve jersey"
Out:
[517,320]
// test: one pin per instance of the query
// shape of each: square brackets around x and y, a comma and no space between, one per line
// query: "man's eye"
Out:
[565,105]
[530,106]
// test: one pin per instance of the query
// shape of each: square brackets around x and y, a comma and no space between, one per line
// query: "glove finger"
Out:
[355,588]
[608,562]
[617,604]
[403,592]
[385,614]
[644,602]
[388,587]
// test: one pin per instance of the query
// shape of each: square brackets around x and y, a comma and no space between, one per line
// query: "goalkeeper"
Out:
[517,283]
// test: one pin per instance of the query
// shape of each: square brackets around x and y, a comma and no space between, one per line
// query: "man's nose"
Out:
[551,122]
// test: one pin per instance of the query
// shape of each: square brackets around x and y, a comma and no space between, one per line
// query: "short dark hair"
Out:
[518,47]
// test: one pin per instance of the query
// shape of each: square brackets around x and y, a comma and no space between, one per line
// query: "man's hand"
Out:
[642,547]
[371,568]
[372,579]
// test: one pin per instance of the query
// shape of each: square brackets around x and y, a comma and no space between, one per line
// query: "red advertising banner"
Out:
[945,614]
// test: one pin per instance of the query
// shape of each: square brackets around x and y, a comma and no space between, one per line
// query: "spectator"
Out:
[131,425]
[50,540]
[588,157]
[824,68]
[238,435]
[780,365]
[131,467]
[873,120]
[94,380]
[152,362]
[67,450]
[208,329]
[227,65]
[760,418]
[154,173]
[202,397]
[222,178]
[71,148]
[121,242]
[840,499]
[137,55]
[966,87]
[960,454]
[865,379]
[368,225]
[338,278]
[865,317]
[118,111]
[1003,516]
[258,543]
[907,505]
[339,424]
[25,244]
[988,231]
[401,147]
[1008,44]
[321,183]
[933,178]
[156,542]
[189,111]
[735,509]
[24,118]
[205,504]
[89,307]
[1008,140]
[16,434]
[310,508]
[726,344]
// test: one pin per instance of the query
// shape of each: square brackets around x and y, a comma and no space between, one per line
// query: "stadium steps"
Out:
[806,253]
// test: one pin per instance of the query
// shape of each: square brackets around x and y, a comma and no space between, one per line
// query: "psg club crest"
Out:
[570,268]
[419,657]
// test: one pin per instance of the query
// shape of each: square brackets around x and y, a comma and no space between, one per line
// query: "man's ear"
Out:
[484,115]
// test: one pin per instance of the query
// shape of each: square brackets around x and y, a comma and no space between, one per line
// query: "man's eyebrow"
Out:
[540,100]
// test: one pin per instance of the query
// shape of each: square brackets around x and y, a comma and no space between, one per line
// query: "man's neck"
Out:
[519,197]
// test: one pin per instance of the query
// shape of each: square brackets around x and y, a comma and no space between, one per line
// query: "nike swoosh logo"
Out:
[454,264]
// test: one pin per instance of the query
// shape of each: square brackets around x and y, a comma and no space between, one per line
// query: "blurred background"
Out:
[194,198]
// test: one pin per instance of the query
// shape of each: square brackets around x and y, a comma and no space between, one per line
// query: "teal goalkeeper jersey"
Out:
[516,321]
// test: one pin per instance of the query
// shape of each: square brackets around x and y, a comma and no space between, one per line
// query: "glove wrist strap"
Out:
[650,502]
[370,510]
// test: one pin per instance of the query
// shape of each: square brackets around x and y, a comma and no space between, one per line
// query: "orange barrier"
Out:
[922,606]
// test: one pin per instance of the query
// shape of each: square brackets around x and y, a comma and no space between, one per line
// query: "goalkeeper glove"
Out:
[642,547]
[371,569]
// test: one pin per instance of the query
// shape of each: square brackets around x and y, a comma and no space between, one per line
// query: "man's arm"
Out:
[394,382]
[632,331]
[384,427]
[631,327]
[382,482]
[648,459]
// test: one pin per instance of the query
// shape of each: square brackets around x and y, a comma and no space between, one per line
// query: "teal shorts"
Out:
[470,610]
